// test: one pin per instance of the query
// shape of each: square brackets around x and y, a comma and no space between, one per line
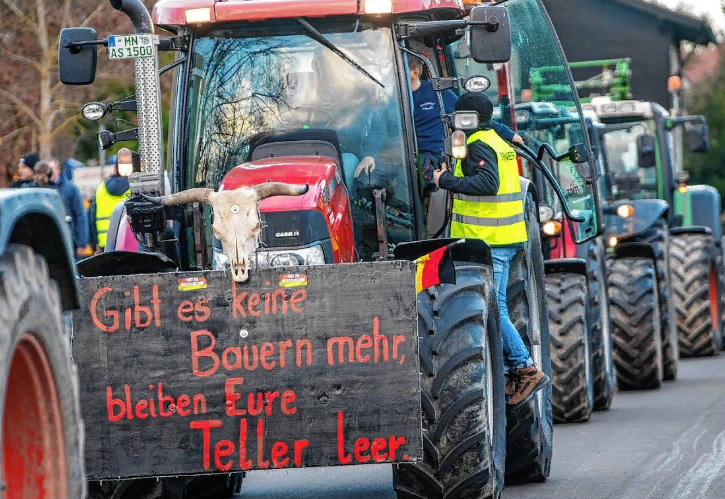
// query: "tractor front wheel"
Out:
[573,393]
[42,431]
[461,356]
[637,339]
[695,285]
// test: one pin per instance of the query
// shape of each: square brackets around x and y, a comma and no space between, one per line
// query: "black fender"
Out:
[470,250]
[705,205]
[568,265]
[36,218]
[111,263]
[646,213]
[636,250]
[695,229]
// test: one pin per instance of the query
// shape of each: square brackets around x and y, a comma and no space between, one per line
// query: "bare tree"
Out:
[35,108]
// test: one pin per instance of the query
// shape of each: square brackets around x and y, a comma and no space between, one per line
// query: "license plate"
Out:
[130,46]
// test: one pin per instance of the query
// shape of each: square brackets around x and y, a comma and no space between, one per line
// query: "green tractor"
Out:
[663,237]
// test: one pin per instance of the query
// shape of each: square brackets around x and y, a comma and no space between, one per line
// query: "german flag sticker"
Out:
[192,283]
[292,280]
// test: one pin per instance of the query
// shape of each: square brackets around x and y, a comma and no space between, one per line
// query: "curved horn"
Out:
[198,195]
[279,189]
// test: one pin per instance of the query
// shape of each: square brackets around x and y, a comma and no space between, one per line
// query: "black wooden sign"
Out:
[188,373]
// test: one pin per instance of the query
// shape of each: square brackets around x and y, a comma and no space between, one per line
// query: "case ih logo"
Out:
[293,233]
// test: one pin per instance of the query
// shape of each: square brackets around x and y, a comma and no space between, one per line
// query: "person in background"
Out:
[108,194]
[69,165]
[488,205]
[73,203]
[428,124]
[25,169]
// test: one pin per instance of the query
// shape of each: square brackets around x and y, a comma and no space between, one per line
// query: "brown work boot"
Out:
[510,387]
[526,381]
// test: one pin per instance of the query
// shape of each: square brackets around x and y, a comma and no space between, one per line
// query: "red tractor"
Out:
[294,122]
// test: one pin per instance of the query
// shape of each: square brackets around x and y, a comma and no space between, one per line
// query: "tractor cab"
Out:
[325,100]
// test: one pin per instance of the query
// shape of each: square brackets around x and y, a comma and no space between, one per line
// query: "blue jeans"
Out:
[515,353]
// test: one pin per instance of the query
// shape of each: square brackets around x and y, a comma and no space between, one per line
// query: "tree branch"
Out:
[69,121]
[22,59]
[22,105]
[12,134]
[19,13]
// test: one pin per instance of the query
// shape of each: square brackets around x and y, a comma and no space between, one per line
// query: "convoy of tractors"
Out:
[254,237]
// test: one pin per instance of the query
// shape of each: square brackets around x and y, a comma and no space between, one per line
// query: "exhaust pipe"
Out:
[137,13]
[148,93]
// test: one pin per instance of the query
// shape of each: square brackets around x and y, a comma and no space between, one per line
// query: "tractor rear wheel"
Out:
[530,425]
[636,335]
[695,284]
[463,405]
[573,394]
[600,323]
[660,239]
[42,430]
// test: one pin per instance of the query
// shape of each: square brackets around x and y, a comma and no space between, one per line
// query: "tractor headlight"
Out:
[625,210]
[465,120]
[612,242]
[551,228]
[312,255]
[458,143]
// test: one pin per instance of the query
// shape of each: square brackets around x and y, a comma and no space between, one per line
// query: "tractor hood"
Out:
[320,173]
[646,213]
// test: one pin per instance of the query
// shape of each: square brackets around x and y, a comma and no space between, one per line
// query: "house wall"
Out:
[598,29]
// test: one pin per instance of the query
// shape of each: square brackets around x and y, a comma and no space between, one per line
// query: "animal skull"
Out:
[236,218]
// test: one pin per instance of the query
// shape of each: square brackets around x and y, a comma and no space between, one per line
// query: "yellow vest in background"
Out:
[105,203]
[498,220]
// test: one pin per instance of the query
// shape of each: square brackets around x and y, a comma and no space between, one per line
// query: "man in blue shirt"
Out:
[428,124]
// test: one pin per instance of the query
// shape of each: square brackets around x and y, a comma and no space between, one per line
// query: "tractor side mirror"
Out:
[491,35]
[77,64]
[698,136]
[578,153]
[646,157]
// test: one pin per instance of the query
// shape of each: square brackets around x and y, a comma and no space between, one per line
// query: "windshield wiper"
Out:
[320,38]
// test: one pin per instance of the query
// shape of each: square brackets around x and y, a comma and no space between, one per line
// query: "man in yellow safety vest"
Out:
[488,205]
[108,194]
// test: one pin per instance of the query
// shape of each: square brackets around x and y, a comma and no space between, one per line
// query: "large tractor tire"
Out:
[695,284]
[660,239]
[600,323]
[42,430]
[573,393]
[530,425]
[636,335]
[463,404]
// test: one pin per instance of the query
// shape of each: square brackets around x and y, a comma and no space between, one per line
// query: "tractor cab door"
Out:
[537,79]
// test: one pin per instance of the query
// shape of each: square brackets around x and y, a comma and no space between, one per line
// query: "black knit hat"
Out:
[476,101]
[30,159]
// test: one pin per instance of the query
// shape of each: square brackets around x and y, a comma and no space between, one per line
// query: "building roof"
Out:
[685,27]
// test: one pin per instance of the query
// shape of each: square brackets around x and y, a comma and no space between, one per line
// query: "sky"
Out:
[698,7]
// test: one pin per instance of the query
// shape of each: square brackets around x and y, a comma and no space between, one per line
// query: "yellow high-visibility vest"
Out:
[105,203]
[498,220]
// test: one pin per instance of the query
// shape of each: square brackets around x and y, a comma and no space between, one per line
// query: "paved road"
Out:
[668,443]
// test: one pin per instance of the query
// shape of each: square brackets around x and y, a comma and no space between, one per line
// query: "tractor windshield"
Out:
[627,179]
[251,82]
[538,81]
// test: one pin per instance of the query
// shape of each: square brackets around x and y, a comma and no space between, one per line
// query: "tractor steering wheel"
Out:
[312,110]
